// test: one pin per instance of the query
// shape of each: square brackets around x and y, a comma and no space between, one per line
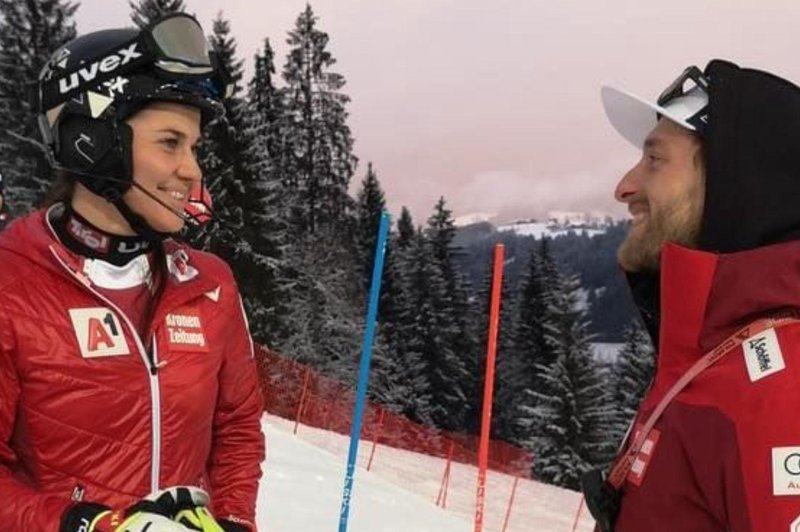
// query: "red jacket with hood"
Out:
[84,409]
[725,455]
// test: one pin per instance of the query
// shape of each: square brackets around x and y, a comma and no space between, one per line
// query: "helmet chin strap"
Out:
[136,221]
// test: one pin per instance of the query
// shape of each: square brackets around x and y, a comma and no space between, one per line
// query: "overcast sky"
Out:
[495,104]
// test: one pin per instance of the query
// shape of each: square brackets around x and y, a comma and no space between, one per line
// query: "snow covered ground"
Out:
[301,490]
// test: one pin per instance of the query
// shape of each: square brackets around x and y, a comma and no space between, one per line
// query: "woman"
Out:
[126,368]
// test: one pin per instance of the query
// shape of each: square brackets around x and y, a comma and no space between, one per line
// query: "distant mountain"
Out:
[560,223]
[473,218]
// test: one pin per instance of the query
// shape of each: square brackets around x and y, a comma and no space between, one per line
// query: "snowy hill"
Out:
[302,488]
[473,218]
[560,223]
[547,229]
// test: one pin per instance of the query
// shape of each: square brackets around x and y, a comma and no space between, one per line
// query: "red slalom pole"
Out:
[488,386]
[302,402]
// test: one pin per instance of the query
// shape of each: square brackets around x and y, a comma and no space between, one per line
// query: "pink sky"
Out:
[495,104]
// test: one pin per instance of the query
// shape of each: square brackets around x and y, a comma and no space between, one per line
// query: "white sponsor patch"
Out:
[795,526]
[786,470]
[762,354]
[185,331]
[98,332]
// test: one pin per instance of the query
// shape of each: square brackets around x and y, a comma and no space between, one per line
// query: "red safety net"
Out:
[295,391]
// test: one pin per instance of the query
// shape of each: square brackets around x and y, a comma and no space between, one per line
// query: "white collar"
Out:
[105,275]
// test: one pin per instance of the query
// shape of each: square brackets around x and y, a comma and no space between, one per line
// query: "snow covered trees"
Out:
[319,144]
[29,33]
[146,11]
[632,375]
[568,419]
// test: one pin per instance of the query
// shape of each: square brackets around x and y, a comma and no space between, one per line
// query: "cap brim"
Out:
[634,117]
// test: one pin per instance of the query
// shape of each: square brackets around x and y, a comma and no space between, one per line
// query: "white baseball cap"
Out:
[635,117]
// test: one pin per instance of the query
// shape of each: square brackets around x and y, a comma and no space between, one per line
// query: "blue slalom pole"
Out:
[363,374]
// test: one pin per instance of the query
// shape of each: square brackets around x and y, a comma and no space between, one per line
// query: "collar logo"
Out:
[99,332]
[108,64]
[762,355]
[89,237]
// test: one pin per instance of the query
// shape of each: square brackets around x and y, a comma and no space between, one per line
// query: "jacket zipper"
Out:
[150,360]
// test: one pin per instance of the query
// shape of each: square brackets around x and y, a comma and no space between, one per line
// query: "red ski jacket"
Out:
[725,455]
[86,412]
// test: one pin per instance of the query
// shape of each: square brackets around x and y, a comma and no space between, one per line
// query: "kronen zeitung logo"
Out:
[185,330]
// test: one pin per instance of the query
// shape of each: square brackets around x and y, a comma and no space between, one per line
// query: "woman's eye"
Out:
[170,143]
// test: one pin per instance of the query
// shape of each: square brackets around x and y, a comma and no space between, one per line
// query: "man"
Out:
[713,261]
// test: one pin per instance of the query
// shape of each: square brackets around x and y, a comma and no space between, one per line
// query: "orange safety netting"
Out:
[295,391]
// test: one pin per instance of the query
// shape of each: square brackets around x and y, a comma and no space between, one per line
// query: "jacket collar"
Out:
[706,297]
[32,238]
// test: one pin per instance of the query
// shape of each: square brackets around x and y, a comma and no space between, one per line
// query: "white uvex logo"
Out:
[108,64]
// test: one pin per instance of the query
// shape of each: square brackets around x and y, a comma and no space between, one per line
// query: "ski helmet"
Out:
[92,84]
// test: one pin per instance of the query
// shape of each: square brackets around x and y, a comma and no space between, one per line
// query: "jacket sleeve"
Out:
[22,507]
[238,444]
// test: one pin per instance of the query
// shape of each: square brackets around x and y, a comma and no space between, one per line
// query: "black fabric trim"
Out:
[645,289]
[76,516]
[119,251]
[230,526]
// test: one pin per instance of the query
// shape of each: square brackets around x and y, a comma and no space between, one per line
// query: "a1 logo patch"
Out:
[98,332]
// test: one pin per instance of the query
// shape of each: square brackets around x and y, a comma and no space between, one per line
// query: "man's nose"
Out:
[628,186]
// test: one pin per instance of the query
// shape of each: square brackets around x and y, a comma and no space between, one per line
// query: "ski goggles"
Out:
[173,47]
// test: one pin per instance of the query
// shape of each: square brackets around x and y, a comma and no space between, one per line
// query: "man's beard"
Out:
[678,222]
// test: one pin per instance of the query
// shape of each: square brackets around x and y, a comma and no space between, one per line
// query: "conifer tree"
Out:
[29,34]
[370,204]
[459,372]
[405,229]
[567,425]
[146,11]
[320,159]
[633,373]
[505,367]
[259,263]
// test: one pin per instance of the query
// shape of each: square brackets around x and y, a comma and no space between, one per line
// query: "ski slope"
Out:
[301,490]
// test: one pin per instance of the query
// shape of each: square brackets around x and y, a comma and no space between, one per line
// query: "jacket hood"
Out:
[752,163]
[752,151]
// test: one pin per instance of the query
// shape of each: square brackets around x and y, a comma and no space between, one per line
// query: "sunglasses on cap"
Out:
[687,85]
